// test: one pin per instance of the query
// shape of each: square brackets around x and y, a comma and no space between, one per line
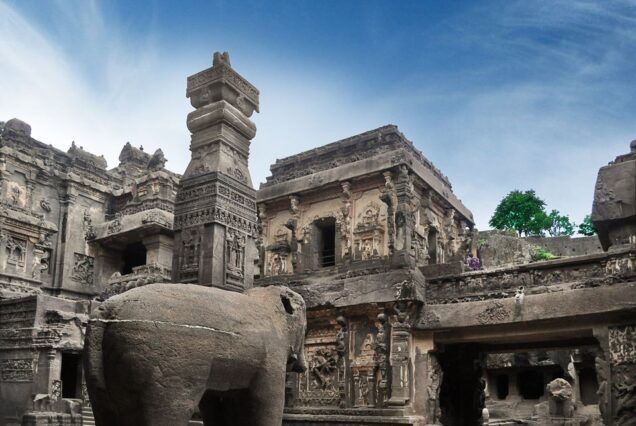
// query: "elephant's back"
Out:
[187,304]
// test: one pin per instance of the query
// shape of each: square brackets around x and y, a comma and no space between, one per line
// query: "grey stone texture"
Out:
[614,208]
[156,352]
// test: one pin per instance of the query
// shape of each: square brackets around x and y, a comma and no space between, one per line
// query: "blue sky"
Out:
[500,95]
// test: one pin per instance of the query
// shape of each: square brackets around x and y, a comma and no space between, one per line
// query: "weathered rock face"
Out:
[614,208]
[155,352]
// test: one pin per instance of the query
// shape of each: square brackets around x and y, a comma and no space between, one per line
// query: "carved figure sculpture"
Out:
[155,352]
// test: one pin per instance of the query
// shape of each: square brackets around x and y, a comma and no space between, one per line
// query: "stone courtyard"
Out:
[400,331]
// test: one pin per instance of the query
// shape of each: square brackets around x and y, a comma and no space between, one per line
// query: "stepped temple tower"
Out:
[215,208]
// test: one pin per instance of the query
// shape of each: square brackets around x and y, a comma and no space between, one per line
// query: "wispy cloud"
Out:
[499,95]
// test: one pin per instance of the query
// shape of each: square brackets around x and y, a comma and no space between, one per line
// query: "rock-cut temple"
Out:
[402,330]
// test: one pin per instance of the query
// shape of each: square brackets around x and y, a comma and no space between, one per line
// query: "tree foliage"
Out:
[523,212]
[560,224]
[587,227]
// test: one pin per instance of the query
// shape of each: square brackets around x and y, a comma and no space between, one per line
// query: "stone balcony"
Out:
[140,276]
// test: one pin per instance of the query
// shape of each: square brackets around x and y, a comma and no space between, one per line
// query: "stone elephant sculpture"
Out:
[154,353]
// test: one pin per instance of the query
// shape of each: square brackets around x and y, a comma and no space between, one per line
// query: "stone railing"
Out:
[140,276]
[595,270]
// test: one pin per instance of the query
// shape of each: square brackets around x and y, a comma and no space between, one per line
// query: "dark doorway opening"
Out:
[134,255]
[589,386]
[432,246]
[503,386]
[530,384]
[462,393]
[71,375]
[327,241]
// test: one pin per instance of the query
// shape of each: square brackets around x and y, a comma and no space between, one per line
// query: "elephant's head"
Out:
[295,311]
[291,306]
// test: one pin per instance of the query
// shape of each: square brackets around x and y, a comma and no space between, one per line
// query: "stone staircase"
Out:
[87,415]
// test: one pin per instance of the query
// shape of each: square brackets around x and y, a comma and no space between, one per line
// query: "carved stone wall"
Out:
[622,359]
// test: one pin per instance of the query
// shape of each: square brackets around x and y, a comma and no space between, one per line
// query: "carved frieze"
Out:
[495,312]
[16,370]
[83,266]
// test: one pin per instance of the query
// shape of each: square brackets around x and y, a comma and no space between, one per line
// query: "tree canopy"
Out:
[587,227]
[523,212]
[560,224]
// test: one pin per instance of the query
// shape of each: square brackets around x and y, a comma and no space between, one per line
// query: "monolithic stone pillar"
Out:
[215,210]
[158,250]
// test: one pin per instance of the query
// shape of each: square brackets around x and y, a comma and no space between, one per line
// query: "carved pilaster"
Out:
[387,196]
[215,219]
[400,355]
[342,339]
[382,360]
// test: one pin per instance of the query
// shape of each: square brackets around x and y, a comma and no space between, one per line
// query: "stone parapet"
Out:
[595,270]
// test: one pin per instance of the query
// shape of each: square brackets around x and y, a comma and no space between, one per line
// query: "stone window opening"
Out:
[432,246]
[133,255]
[503,386]
[71,374]
[530,383]
[327,241]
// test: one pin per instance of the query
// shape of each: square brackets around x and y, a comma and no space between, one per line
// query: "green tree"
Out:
[587,227]
[523,212]
[560,224]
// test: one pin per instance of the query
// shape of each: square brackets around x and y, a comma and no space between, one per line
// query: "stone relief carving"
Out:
[156,217]
[622,342]
[16,194]
[83,268]
[235,254]
[277,264]
[381,358]
[89,230]
[114,226]
[45,205]
[368,235]
[40,263]
[435,375]
[495,312]
[191,245]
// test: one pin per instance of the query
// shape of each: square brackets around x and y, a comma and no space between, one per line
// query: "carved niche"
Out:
[15,250]
[278,253]
[83,268]
[189,261]
[320,384]
[368,235]
[234,255]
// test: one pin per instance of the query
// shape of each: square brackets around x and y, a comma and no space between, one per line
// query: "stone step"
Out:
[87,416]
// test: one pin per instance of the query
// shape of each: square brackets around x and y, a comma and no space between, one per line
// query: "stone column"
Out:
[215,210]
[158,250]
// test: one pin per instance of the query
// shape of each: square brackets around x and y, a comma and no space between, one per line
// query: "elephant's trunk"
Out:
[296,362]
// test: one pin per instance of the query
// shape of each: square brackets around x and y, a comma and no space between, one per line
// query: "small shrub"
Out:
[543,254]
